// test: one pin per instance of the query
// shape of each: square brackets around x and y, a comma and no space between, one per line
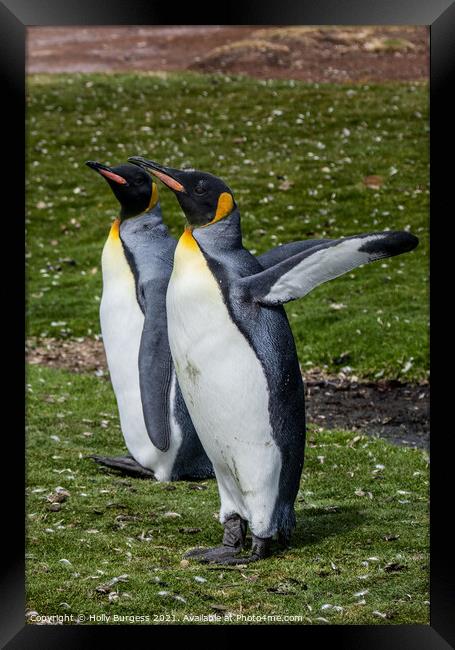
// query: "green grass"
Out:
[355,492]
[362,509]
[323,139]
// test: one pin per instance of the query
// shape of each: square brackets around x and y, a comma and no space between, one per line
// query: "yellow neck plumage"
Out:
[187,240]
[153,198]
[114,233]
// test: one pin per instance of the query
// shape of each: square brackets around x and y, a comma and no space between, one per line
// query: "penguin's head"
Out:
[204,198]
[133,187]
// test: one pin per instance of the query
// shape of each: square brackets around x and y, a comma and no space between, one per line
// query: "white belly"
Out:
[225,389]
[121,326]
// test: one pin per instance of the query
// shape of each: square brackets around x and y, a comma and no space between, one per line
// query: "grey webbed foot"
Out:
[214,555]
[125,464]
[233,542]
[260,549]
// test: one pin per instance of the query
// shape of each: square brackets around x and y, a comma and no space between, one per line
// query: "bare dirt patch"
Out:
[393,410]
[399,412]
[316,54]
[75,355]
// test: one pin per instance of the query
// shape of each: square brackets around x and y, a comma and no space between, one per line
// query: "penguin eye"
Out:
[199,190]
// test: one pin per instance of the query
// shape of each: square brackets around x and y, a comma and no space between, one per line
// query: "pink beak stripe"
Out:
[114,177]
[169,181]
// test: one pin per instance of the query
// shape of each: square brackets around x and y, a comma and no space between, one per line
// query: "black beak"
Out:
[107,172]
[167,175]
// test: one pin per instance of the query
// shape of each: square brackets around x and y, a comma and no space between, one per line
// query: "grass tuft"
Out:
[361,543]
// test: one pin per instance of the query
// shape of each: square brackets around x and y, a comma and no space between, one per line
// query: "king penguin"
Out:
[235,355]
[136,264]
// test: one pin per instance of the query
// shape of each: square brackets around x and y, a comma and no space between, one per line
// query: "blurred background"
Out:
[323,54]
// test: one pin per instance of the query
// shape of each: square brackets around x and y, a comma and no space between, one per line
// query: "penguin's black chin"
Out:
[192,212]
[133,208]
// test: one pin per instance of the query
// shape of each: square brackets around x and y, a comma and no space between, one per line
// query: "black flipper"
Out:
[155,379]
[125,464]
[283,252]
[298,275]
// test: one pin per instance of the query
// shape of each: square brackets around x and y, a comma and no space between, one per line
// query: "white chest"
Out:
[121,321]
[222,381]
[121,324]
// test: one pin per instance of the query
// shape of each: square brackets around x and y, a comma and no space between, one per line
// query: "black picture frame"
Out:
[15,17]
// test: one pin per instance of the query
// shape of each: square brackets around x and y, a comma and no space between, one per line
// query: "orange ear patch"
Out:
[224,207]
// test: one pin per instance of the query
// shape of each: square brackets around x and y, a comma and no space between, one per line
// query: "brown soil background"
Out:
[316,54]
[389,409]
[398,412]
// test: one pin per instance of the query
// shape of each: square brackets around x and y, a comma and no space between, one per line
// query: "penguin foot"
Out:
[260,549]
[233,542]
[239,560]
[214,555]
[125,464]
[226,555]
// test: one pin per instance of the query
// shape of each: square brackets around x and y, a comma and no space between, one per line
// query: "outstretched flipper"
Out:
[155,371]
[283,252]
[298,275]
[125,464]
